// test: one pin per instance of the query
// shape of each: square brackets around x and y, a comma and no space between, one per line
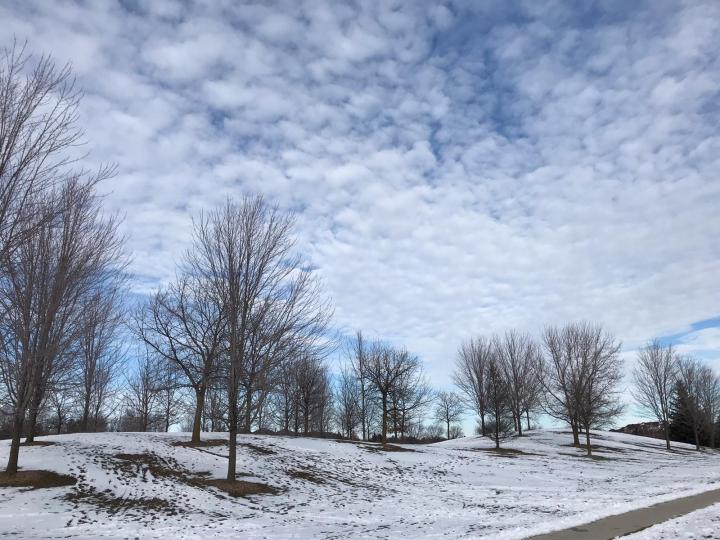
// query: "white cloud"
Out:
[457,171]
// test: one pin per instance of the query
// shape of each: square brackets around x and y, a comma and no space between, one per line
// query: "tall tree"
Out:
[386,368]
[183,323]
[518,356]
[49,277]
[469,374]
[269,299]
[448,409]
[654,378]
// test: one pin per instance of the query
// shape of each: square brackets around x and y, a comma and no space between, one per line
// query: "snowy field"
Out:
[141,485]
[699,525]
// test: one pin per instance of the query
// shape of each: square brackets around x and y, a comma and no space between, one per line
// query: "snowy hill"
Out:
[149,485]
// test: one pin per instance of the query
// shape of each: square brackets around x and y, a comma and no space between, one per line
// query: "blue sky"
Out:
[458,168]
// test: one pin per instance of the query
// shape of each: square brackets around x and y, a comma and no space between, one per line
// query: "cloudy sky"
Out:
[456,168]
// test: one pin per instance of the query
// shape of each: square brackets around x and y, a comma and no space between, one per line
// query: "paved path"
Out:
[636,520]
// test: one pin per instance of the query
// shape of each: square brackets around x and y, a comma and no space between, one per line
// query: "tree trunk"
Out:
[519,423]
[18,422]
[30,438]
[232,440]
[85,415]
[587,438]
[482,423]
[197,421]
[527,414]
[696,432]
[247,426]
[497,433]
[575,432]
[667,435]
[448,430]
[384,419]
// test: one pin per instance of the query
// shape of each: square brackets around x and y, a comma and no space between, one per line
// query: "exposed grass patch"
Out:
[202,444]
[506,452]
[306,475]
[112,504]
[241,488]
[36,479]
[37,443]
[257,449]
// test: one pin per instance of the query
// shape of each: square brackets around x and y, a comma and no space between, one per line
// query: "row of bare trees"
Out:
[680,392]
[572,374]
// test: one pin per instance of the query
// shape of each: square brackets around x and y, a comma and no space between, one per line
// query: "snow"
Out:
[455,489]
[701,524]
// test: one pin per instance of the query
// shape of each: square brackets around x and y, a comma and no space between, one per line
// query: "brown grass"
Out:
[202,444]
[385,448]
[505,452]
[37,443]
[36,479]
[257,449]
[309,476]
[241,488]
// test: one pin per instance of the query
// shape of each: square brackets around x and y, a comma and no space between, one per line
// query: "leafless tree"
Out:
[580,374]
[518,357]
[409,400]
[654,378]
[448,409]
[49,277]
[143,394]
[498,400]
[100,353]
[184,325]
[349,402]
[38,124]
[709,399]
[270,301]
[472,358]
[386,368]
[358,353]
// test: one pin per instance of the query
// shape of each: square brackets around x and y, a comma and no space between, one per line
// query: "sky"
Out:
[456,168]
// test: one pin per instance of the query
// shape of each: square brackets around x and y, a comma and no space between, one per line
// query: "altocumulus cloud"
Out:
[456,168]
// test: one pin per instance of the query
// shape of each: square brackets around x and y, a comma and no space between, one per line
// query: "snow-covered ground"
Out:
[329,489]
[699,525]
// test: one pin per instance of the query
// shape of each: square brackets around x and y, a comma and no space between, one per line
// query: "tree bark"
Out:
[18,422]
[197,421]
[384,419]
[527,414]
[587,439]
[667,435]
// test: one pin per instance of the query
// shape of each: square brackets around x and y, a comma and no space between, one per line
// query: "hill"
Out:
[151,485]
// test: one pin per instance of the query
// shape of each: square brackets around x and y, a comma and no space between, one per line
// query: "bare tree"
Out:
[38,114]
[600,370]
[518,356]
[49,276]
[358,353]
[654,378]
[709,399]
[100,355]
[472,358]
[349,403]
[244,251]
[385,370]
[143,395]
[498,400]
[448,409]
[184,325]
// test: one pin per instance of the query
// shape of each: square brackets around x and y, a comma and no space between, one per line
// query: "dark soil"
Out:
[36,479]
